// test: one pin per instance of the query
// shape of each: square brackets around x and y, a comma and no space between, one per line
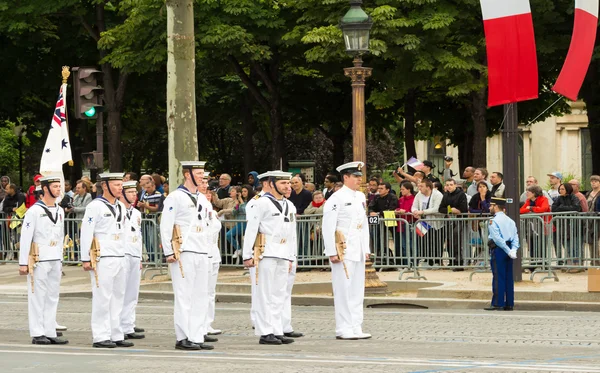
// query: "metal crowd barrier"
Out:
[549,243]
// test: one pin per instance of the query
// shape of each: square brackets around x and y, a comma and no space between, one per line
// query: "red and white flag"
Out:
[511,54]
[580,53]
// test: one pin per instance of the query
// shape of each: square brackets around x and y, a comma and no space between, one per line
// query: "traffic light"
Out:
[87,92]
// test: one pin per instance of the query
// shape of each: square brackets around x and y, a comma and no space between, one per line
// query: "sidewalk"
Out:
[442,289]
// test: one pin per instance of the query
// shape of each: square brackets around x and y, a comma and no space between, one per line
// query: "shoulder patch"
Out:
[491,222]
[256,196]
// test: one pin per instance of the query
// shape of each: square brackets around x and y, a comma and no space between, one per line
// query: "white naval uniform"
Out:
[105,221]
[38,227]
[214,262]
[286,317]
[132,243]
[265,217]
[191,292]
[252,270]
[345,211]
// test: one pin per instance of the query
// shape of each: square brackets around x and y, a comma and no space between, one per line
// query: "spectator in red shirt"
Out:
[31,198]
[403,233]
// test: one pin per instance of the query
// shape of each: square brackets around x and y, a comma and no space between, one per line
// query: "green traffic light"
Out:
[91,112]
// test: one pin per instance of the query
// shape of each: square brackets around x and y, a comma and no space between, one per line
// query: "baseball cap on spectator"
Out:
[556,174]
[37,177]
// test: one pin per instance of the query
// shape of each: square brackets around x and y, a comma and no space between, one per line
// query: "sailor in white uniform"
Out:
[345,211]
[214,257]
[104,220]
[286,317]
[264,180]
[274,216]
[43,225]
[182,208]
[132,243]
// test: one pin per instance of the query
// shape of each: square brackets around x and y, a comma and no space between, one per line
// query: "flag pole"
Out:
[66,73]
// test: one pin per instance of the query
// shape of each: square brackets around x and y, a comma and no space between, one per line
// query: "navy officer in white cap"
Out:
[275,217]
[104,220]
[43,225]
[345,211]
[190,288]
[132,237]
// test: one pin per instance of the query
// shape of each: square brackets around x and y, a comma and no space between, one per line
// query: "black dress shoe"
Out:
[134,336]
[493,308]
[41,340]
[269,339]
[508,308]
[104,344]
[284,340]
[186,345]
[138,330]
[123,344]
[208,338]
[204,346]
[293,334]
[58,341]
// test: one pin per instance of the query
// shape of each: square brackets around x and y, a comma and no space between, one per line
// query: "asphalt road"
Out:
[404,340]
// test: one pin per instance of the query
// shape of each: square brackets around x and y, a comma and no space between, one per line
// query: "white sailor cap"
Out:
[264,176]
[109,176]
[50,179]
[280,175]
[354,168]
[130,184]
[206,175]
[193,165]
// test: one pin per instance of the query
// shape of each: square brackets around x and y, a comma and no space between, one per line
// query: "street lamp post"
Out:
[356,27]
[20,131]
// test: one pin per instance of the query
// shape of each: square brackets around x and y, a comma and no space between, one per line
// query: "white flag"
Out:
[57,150]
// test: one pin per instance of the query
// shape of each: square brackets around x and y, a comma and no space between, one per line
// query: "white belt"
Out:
[51,243]
[113,237]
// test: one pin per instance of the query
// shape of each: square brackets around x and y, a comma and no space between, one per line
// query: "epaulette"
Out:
[256,196]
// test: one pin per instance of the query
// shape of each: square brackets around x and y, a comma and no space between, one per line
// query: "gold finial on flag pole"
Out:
[66,73]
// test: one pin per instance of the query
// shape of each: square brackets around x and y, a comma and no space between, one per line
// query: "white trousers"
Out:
[286,317]
[191,296]
[348,296]
[253,295]
[270,295]
[132,291]
[43,302]
[107,299]
[212,292]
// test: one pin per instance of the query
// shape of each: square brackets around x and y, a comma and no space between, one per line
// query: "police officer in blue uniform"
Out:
[503,241]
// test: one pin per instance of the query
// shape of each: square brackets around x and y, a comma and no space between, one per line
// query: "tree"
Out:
[181,85]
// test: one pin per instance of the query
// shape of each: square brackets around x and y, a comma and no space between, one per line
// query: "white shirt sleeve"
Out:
[29,224]
[365,230]
[88,225]
[330,216]
[167,221]
[253,217]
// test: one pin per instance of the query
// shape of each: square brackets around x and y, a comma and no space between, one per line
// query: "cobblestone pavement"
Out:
[404,340]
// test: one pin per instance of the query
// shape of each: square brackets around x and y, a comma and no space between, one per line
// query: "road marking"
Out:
[285,358]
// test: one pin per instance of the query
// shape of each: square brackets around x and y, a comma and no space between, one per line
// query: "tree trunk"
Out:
[465,151]
[249,129]
[181,86]
[478,114]
[279,159]
[409,124]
